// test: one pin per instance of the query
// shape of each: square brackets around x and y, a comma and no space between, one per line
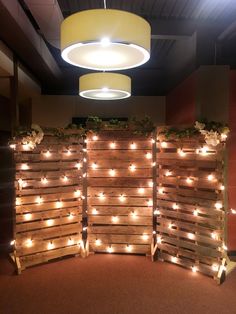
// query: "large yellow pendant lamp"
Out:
[104,86]
[105,40]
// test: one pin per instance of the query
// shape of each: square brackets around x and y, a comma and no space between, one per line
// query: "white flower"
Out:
[199,125]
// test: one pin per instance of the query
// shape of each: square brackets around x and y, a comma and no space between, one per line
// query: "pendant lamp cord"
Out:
[105,4]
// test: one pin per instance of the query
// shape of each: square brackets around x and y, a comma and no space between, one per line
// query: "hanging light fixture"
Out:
[104,86]
[105,39]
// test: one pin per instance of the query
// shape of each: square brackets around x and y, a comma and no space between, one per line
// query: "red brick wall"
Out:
[180,103]
[232,162]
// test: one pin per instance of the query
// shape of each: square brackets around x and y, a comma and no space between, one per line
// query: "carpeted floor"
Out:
[112,284]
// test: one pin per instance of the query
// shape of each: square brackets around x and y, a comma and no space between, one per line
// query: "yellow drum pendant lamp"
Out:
[104,86]
[105,40]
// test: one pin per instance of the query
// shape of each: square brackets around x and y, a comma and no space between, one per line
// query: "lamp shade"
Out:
[105,86]
[105,39]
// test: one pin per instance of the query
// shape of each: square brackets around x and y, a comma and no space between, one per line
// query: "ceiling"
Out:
[185,35]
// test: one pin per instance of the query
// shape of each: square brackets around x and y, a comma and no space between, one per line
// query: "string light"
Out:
[12,242]
[68,152]
[174,259]
[115,219]
[26,146]
[70,242]
[84,150]
[24,167]
[78,165]
[47,153]
[181,153]
[175,206]
[77,193]
[133,146]
[150,184]
[195,212]
[204,150]
[110,249]
[218,205]
[154,232]
[132,167]
[170,225]
[163,144]
[70,216]
[214,235]
[29,243]
[94,166]
[191,236]
[149,203]
[152,141]
[215,267]
[148,155]
[194,269]
[98,242]
[50,222]
[211,177]
[129,248]
[189,180]
[27,216]
[168,173]
[18,201]
[12,146]
[156,212]
[145,237]
[84,175]
[122,198]
[141,190]
[159,239]
[50,245]
[112,172]
[223,136]
[161,191]
[44,180]
[222,187]
[95,138]
[153,164]
[233,211]
[39,200]
[133,215]
[22,184]
[94,211]
[58,204]
[101,195]
[65,178]
[84,159]
[224,247]
[113,145]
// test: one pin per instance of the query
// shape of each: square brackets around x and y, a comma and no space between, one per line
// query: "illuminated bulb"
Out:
[195,212]
[78,165]
[153,141]
[12,242]
[170,225]
[168,173]
[157,212]
[84,159]
[210,177]
[189,180]
[29,243]
[145,237]
[94,166]
[84,175]
[105,41]
[68,152]
[154,164]
[175,206]
[132,167]
[191,236]
[109,249]
[149,203]
[77,193]
[214,236]
[163,144]
[58,204]
[65,178]
[82,197]
[70,216]
[181,153]
[50,246]
[122,198]
[218,205]
[21,183]
[44,180]
[224,247]
[26,146]
[84,150]
[215,267]
[50,222]
[12,146]
[24,167]
[94,211]
[154,232]
[115,219]
[112,172]
[233,211]
[133,146]
[98,242]
[85,141]
[112,145]
[47,153]
[161,191]
[129,248]
[95,138]
[148,155]
[150,184]
[134,215]
[222,187]
[85,228]
[204,150]
[70,242]
[101,195]
[141,190]
[223,136]
[18,201]
[194,269]
[174,259]
[159,240]
[39,200]
[27,216]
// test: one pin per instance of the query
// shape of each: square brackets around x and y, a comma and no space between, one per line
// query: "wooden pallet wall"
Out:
[190,218]
[119,192]
[48,200]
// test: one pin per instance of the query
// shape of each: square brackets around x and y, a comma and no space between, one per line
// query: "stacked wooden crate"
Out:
[119,192]
[48,200]
[190,218]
